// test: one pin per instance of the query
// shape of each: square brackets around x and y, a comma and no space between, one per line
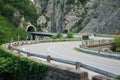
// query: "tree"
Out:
[8,11]
[1,6]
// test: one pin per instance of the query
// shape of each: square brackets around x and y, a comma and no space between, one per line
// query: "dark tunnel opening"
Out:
[31,29]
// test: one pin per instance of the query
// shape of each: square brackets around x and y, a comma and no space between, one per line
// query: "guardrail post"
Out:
[48,59]
[26,42]
[17,43]
[19,52]
[99,51]
[22,43]
[77,65]
[9,46]
[28,54]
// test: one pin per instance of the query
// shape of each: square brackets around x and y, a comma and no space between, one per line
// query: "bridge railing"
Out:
[92,42]
[101,53]
[49,58]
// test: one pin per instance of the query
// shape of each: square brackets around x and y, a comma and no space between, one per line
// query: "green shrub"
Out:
[117,43]
[6,68]
[6,64]
[9,11]
[57,36]
[19,68]
[70,35]
[118,78]
[118,49]
[54,37]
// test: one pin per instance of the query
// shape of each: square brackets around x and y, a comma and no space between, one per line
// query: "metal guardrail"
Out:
[104,35]
[49,58]
[101,53]
[99,71]
[91,42]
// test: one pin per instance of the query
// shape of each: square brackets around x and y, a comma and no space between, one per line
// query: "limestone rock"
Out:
[18,19]
[41,20]
[95,16]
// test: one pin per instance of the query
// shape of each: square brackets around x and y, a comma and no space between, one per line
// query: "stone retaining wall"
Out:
[65,73]
[99,77]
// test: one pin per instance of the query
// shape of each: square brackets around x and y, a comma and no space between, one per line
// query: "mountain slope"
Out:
[93,16]
[104,16]
[15,10]
[14,18]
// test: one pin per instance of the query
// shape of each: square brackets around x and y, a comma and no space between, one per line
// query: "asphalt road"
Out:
[65,50]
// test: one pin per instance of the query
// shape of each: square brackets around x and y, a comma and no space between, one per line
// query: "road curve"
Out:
[65,50]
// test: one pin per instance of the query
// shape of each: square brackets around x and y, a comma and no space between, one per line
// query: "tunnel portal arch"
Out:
[31,28]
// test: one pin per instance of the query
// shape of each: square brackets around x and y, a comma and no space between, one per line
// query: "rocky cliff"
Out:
[92,16]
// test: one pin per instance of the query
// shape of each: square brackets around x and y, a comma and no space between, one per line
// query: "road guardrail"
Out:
[49,58]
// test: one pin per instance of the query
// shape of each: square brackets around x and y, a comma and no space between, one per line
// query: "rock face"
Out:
[94,16]
[41,20]
[18,19]
[104,16]
[63,73]
[61,14]
[99,77]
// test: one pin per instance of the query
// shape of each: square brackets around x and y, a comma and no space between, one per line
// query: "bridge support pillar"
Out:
[33,37]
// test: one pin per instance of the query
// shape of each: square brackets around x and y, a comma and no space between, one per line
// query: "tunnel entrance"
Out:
[65,31]
[31,29]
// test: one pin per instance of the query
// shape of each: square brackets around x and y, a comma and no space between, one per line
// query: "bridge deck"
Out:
[42,33]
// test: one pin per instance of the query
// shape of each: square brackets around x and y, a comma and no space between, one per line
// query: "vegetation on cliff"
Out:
[9,24]
[16,67]
[25,7]
[8,31]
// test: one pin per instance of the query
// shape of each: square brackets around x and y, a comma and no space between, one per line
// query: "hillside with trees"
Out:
[9,25]
[16,67]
